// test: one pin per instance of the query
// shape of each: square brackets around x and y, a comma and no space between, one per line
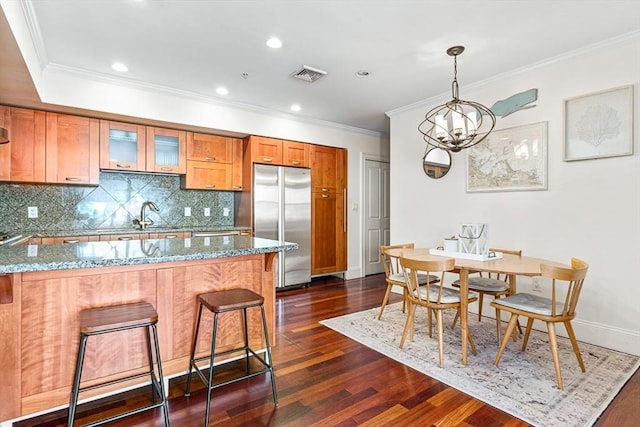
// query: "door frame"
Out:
[363,192]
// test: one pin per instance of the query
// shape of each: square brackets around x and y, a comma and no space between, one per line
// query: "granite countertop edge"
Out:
[22,263]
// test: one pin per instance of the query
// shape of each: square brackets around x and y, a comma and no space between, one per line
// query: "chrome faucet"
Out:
[142,222]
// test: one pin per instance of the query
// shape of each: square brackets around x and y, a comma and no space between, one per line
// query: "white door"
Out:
[376,205]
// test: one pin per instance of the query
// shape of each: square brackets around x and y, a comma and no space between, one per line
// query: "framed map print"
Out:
[599,125]
[512,159]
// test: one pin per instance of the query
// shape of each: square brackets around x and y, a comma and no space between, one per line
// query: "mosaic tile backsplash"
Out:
[113,204]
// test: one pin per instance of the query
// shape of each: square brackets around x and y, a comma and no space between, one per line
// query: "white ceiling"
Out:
[195,46]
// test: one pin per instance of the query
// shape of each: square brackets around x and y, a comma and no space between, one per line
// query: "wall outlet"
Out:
[536,286]
[207,211]
[32,212]
[187,211]
[225,212]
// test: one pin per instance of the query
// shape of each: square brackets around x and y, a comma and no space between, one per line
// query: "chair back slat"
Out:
[502,276]
[572,278]
[410,269]
[391,264]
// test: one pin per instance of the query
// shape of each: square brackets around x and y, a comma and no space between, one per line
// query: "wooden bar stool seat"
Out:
[221,302]
[112,319]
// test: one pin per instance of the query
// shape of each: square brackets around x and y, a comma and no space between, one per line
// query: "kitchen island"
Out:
[43,288]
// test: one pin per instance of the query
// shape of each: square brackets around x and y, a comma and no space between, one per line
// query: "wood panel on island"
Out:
[59,295]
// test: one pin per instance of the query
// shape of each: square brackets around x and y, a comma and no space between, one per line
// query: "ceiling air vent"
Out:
[308,74]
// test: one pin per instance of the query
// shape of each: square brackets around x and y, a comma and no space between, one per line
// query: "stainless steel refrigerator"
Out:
[282,211]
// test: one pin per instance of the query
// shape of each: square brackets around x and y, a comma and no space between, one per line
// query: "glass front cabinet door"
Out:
[122,146]
[166,150]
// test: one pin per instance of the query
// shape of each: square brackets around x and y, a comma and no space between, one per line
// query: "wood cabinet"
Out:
[170,235]
[295,154]
[68,239]
[279,152]
[23,158]
[125,236]
[213,163]
[266,150]
[209,148]
[327,168]
[166,150]
[137,148]
[122,146]
[72,147]
[328,210]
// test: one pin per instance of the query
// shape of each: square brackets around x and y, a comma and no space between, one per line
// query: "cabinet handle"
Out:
[237,187]
[267,159]
[295,162]
[171,236]
[125,238]
[209,186]
[70,241]
[344,210]
[325,196]
[72,178]
[325,190]
[123,166]
[209,158]
[166,169]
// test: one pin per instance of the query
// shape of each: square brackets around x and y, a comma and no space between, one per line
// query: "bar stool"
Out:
[220,302]
[105,320]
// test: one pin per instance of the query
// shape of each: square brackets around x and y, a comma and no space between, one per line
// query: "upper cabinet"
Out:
[122,146]
[72,147]
[209,148]
[266,150]
[166,150]
[279,152]
[137,148]
[213,162]
[23,158]
[295,154]
[327,168]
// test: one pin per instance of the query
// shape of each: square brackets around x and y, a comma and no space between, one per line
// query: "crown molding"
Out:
[443,97]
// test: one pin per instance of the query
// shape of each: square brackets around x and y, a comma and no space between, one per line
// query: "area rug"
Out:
[523,385]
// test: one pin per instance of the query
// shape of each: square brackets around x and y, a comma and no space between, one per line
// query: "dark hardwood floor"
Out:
[326,379]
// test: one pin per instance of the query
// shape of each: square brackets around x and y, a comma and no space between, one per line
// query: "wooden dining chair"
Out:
[394,275]
[494,284]
[566,285]
[434,296]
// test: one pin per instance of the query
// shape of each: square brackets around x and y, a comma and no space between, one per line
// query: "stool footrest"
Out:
[119,380]
[125,414]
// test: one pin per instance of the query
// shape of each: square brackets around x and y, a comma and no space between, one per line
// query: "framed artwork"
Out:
[599,125]
[512,159]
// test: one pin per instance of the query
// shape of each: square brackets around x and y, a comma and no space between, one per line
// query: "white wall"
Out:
[58,87]
[591,209]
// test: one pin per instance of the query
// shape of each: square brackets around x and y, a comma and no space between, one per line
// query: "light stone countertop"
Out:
[21,259]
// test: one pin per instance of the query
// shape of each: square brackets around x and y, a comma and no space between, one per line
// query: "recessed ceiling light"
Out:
[362,73]
[119,66]
[296,107]
[222,91]
[274,43]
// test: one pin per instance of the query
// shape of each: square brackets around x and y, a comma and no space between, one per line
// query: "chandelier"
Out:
[458,124]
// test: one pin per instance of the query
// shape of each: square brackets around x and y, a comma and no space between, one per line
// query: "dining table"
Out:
[511,265]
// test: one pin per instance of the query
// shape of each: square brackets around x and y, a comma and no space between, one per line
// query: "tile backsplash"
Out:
[113,204]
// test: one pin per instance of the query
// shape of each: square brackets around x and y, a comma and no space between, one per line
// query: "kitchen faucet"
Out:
[143,221]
